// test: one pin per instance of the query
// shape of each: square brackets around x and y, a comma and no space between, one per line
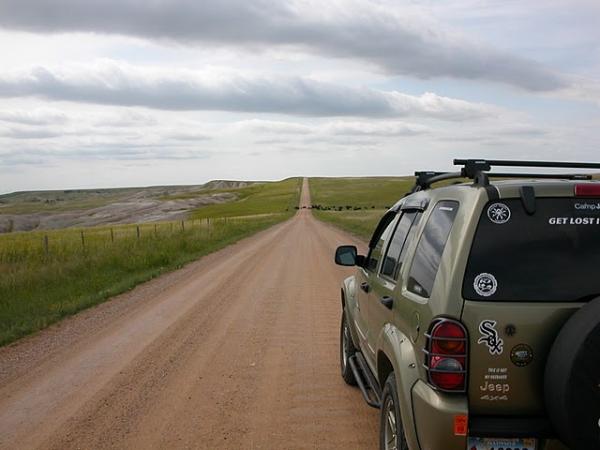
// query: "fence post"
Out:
[112,235]
[137,230]
[155,232]
[182,226]
[82,240]
[46,244]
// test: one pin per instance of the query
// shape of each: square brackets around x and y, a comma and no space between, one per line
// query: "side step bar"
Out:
[366,381]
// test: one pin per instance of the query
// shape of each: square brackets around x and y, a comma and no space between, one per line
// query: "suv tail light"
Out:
[587,190]
[446,355]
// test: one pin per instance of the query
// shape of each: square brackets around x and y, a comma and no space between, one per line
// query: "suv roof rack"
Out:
[478,171]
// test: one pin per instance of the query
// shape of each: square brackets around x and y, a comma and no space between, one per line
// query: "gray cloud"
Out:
[521,131]
[397,40]
[111,83]
[101,152]
[187,136]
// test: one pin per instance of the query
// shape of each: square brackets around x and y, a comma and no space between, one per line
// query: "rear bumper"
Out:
[435,414]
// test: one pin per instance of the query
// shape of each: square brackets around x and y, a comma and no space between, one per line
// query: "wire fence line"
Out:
[47,275]
[44,244]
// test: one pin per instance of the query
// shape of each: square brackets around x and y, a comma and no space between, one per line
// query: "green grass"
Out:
[257,199]
[39,287]
[373,195]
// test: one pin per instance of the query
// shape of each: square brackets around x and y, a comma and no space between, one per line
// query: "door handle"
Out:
[386,301]
[365,286]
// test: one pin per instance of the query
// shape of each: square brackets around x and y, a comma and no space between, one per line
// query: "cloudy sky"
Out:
[103,93]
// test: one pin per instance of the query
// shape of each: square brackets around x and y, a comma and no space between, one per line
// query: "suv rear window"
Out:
[431,247]
[552,255]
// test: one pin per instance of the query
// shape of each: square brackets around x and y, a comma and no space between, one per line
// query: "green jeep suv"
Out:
[473,323]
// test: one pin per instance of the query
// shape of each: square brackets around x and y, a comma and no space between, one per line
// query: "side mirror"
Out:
[347,255]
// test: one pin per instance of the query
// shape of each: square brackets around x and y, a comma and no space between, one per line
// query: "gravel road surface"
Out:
[238,350]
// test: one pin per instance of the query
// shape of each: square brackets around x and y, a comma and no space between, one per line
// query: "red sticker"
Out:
[460,425]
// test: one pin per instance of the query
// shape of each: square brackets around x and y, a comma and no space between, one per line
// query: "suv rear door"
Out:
[367,278]
[527,272]
[382,294]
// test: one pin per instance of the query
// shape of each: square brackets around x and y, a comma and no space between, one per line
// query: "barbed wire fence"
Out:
[16,246]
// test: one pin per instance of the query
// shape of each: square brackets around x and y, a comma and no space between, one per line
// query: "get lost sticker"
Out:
[574,221]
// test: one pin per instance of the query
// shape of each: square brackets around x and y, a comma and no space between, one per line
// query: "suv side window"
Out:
[391,261]
[409,238]
[431,247]
[376,251]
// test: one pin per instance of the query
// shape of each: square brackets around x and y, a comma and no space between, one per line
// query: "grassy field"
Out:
[49,275]
[356,204]
[256,199]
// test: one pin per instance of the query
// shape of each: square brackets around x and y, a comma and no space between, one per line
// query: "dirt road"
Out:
[236,351]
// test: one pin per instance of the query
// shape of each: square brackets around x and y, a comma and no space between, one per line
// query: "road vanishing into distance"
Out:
[238,350]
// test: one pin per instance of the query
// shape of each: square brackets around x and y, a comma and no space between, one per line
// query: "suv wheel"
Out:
[391,431]
[347,350]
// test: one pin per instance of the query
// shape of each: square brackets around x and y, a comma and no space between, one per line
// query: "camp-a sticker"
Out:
[499,213]
[587,206]
[485,284]
[490,337]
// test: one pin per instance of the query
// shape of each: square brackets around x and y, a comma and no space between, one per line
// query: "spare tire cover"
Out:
[572,380]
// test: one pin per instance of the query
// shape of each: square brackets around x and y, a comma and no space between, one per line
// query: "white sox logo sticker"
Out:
[489,337]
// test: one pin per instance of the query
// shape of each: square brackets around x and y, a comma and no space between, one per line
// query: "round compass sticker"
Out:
[485,284]
[498,213]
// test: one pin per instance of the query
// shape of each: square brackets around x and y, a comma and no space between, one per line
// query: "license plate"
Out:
[475,443]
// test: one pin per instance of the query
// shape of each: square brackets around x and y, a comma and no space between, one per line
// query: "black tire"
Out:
[391,431]
[572,380]
[347,350]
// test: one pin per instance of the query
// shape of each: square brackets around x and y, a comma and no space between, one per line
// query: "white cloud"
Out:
[380,128]
[275,127]
[28,133]
[37,116]
[127,118]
